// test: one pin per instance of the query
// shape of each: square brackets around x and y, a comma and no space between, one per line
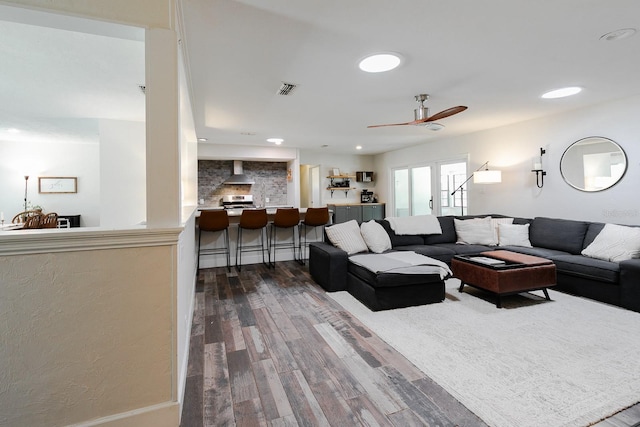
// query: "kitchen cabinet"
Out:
[359,212]
[373,211]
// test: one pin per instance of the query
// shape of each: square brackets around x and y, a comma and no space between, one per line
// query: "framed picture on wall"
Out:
[57,184]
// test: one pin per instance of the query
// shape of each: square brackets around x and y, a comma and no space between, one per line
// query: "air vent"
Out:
[286,88]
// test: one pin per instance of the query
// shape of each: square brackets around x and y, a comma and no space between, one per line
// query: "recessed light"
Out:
[618,34]
[276,141]
[202,139]
[13,130]
[562,92]
[379,62]
[358,147]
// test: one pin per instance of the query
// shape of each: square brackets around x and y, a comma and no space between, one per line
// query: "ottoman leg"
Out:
[461,286]
[546,294]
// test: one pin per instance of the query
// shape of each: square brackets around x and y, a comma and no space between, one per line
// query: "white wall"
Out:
[42,158]
[348,164]
[512,148]
[122,173]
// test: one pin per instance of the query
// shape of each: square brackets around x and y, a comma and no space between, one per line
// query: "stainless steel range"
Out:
[243,201]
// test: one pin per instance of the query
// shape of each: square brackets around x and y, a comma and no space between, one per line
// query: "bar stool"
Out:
[285,218]
[315,217]
[252,219]
[214,221]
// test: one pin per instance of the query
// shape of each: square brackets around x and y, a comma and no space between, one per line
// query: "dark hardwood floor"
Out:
[269,348]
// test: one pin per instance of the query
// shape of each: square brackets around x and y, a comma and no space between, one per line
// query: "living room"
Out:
[508,146]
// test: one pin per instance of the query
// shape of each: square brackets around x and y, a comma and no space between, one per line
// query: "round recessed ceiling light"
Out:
[202,139]
[379,62]
[13,130]
[358,147]
[276,141]
[618,34]
[562,92]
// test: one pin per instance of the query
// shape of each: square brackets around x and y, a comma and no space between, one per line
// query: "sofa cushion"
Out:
[513,235]
[347,237]
[375,236]
[448,232]
[391,280]
[560,234]
[415,224]
[465,249]
[615,243]
[588,268]
[475,231]
[397,240]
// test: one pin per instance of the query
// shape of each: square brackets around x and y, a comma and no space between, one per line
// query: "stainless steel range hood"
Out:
[238,176]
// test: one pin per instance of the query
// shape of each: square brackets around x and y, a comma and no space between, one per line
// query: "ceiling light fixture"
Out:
[13,130]
[618,34]
[379,62]
[202,139]
[358,147]
[562,92]
[276,141]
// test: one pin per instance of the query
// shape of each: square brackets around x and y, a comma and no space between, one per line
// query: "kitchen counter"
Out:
[234,214]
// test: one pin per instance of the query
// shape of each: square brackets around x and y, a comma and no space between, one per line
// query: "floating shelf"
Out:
[345,189]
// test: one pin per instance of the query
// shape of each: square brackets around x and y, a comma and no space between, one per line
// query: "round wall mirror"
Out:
[593,164]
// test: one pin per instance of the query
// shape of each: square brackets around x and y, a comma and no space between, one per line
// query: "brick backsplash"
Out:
[270,181]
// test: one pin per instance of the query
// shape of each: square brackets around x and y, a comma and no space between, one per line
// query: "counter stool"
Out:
[315,217]
[285,218]
[214,221]
[252,219]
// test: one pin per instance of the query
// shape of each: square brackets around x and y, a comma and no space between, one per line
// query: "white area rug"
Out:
[566,362]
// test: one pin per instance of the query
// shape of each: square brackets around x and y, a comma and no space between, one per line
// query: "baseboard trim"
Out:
[165,414]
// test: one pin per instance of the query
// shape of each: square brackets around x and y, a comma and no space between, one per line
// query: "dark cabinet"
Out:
[362,212]
[370,212]
[346,213]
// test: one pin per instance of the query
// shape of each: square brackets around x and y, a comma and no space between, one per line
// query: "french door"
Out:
[414,188]
[412,191]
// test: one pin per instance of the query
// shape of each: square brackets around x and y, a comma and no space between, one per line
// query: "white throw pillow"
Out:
[514,235]
[494,224]
[347,237]
[375,236]
[477,231]
[615,243]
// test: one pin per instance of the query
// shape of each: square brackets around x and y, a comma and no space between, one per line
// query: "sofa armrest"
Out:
[630,284]
[328,266]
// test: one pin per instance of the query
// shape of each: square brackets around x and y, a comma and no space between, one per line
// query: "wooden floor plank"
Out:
[243,385]
[274,398]
[218,404]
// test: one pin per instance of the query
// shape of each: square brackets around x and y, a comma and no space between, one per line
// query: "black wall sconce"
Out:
[537,169]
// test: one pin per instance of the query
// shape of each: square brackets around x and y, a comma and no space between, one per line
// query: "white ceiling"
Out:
[494,56]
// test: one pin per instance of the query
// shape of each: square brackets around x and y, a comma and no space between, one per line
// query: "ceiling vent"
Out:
[286,88]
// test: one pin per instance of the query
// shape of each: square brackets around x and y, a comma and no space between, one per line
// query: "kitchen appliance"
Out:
[241,201]
[366,196]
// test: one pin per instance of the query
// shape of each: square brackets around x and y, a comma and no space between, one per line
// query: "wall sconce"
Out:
[479,177]
[537,168]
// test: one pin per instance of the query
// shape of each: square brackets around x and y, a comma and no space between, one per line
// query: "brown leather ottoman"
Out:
[504,273]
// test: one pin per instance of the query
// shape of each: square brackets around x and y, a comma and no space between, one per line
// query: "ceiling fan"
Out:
[422,117]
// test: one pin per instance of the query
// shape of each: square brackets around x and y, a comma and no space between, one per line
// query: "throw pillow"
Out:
[494,224]
[478,231]
[514,235]
[615,243]
[347,237]
[375,236]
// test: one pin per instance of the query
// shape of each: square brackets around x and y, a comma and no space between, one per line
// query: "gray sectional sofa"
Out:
[559,240]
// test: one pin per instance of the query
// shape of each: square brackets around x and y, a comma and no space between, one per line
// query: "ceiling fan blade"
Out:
[391,124]
[446,113]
